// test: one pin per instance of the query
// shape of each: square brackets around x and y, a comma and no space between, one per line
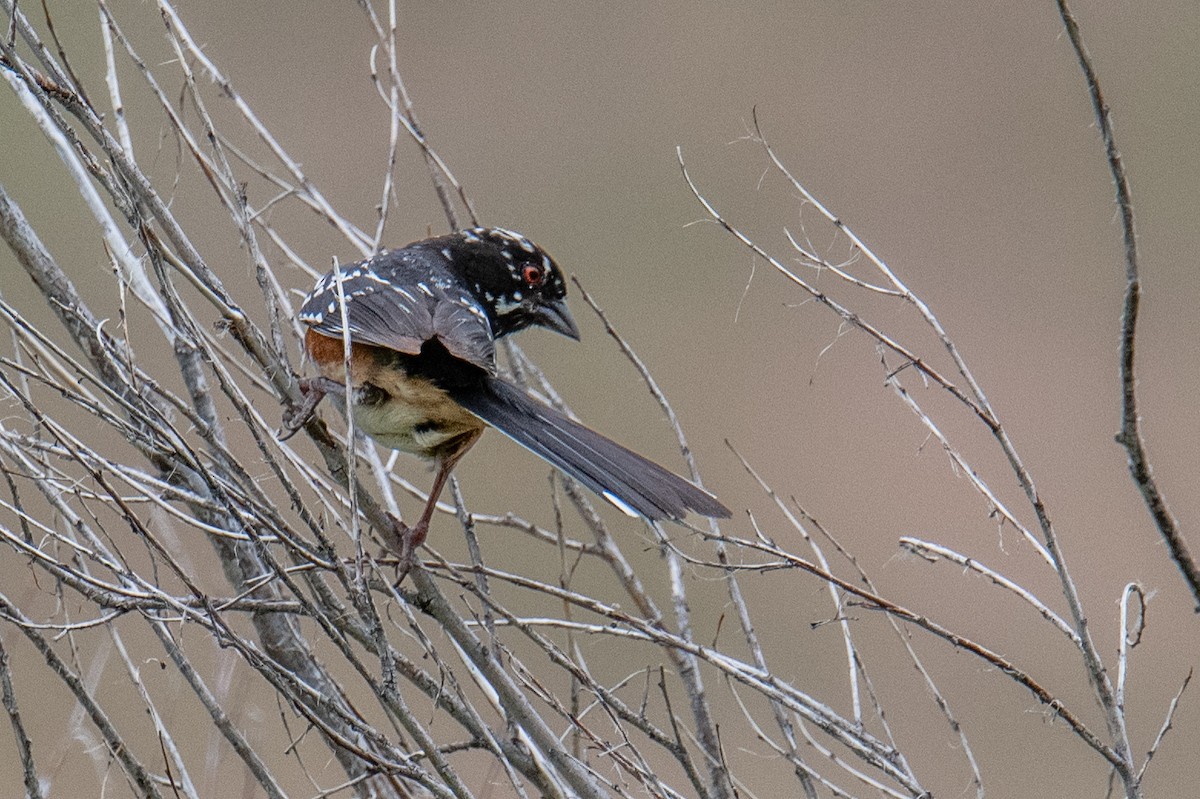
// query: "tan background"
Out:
[955,138]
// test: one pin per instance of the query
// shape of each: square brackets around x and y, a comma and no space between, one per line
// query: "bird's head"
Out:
[515,281]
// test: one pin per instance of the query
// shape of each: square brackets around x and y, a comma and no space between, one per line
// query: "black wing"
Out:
[629,481]
[400,300]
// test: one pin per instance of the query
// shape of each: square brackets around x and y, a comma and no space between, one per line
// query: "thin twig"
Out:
[1130,436]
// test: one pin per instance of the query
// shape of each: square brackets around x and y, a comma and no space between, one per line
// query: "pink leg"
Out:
[314,390]
[405,540]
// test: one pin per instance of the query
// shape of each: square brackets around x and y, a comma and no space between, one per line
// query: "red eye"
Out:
[532,275]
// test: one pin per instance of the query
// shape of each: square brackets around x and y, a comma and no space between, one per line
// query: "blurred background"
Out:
[956,139]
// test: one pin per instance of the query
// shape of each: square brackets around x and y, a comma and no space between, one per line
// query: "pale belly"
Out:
[412,417]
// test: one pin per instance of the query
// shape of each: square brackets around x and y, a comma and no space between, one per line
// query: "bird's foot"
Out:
[313,389]
[403,541]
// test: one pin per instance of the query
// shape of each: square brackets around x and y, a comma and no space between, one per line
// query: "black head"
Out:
[515,281]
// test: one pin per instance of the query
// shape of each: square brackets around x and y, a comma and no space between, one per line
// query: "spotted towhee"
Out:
[422,323]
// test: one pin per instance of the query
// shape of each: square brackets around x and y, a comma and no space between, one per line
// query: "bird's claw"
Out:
[403,542]
[313,390]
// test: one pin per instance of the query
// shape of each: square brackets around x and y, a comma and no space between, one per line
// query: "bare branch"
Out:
[1130,436]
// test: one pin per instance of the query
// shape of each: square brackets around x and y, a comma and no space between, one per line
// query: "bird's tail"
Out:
[629,481]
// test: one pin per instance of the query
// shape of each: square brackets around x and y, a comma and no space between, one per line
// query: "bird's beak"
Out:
[555,316]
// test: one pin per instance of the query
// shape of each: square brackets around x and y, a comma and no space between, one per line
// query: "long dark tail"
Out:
[626,479]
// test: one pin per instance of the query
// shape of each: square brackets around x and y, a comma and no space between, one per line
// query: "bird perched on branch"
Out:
[422,322]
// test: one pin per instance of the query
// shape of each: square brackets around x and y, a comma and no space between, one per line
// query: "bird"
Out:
[422,323]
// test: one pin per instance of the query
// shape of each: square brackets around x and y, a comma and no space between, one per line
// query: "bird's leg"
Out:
[314,390]
[405,540]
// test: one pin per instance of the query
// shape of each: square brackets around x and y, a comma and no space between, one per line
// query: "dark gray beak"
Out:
[555,316]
